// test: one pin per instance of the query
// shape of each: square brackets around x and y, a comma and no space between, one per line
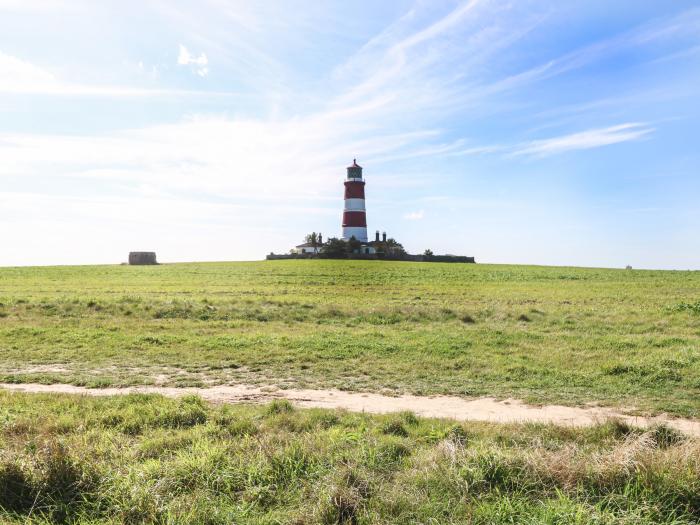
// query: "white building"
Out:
[307,247]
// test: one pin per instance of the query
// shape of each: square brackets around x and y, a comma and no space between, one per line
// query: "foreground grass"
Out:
[567,335]
[147,459]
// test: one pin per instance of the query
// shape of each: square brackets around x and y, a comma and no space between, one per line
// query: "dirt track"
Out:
[482,409]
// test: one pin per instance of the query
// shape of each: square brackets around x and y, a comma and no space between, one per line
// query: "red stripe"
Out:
[354,218]
[354,190]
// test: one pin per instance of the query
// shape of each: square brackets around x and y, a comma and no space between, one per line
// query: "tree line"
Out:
[335,248]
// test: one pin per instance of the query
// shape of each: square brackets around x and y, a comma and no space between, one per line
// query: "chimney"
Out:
[376,236]
[384,236]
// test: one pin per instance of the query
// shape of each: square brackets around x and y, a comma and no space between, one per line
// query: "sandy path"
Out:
[481,409]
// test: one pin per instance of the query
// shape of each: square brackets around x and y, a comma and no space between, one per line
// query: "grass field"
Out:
[147,459]
[625,338]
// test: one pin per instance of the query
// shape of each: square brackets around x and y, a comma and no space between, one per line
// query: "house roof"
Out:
[308,245]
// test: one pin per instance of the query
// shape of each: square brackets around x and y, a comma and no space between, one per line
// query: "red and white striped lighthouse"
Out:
[354,213]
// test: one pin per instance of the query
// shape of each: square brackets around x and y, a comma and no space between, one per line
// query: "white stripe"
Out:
[354,204]
[359,232]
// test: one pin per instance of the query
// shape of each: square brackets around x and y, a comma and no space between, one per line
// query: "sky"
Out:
[534,132]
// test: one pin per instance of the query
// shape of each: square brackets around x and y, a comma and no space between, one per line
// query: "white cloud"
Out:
[593,138]
[414,215]
[589,139]
[19,76]
[185,58]
[37,6]
[229,158]
[583,140]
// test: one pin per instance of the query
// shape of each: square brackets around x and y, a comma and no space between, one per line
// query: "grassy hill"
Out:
[621,337]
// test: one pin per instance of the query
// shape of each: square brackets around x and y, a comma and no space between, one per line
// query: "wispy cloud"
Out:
[414,215]
[199,64]
[432,62]
[589,139]
[19,76]
[652,33]
[37,6]
[219,156]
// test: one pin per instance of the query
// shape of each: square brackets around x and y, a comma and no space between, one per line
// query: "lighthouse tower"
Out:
[354,214]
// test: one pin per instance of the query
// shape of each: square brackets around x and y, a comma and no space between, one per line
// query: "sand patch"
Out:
[481,409]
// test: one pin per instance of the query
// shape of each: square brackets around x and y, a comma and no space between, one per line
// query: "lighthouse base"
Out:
[359,232]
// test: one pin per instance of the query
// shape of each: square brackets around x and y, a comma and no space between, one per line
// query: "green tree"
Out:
[393,247]
[311,238]
[354,245]
[335,248]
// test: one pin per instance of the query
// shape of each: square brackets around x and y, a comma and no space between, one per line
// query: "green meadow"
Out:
[624,338]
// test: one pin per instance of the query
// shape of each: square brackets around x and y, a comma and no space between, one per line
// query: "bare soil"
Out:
[481,409]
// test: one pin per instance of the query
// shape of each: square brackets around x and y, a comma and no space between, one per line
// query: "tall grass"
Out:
[147,459]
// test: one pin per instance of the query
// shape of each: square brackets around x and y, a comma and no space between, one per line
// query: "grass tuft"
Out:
[279,406]
[467,319]
[395,427]
[665,436]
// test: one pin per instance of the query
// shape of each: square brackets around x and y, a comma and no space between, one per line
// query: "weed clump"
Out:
[693,308]
[279,406]
[345,499]
[141,414]
[665,436]
[457,435]
[50,482]
[395,427]
[16,491]
[409,418]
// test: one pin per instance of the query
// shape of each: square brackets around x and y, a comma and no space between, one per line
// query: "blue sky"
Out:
[517,132]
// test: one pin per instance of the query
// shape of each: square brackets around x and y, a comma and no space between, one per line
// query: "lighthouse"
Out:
[354,213]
